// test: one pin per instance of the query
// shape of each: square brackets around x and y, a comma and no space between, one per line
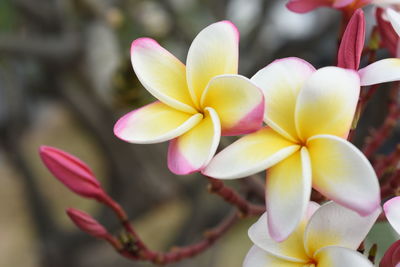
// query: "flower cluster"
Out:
[296,121]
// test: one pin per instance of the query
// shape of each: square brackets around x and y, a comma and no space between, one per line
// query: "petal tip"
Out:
[119,126]
[390,203]
[143,42]
[177,163]
[252,122]
[233,26]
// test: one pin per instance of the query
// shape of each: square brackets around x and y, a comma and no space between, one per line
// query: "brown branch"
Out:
[229,195]
[383,164]
[379,136]
[391,186]
[133,247]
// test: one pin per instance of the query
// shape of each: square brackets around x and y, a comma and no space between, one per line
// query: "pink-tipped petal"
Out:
[303,6]
[193,150]
[290,178]
[281,82]
[250,154]
[385,70]
[256,257]
[154,123]
[71,171]
[352,44]
[342,173]
[392,212]
[340,257]
[327,103]
[214,51]
[161,73]
[238,102]
[335,225]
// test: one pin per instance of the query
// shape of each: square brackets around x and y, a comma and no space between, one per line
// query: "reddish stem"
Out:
[379,136]
[119,211]
[391,186]
[177,254]
[229,195]
[384,164]
[132,246]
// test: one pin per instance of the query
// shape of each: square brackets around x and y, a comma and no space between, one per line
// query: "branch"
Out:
[379,136]
[229,195]
[132,247]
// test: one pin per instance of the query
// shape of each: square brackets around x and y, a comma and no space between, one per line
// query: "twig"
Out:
[379,136]
[138,251]
[229,195]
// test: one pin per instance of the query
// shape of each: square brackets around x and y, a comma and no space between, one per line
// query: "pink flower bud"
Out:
[352,44]
[86,223]
[392,256]
[72,172]
[389,37]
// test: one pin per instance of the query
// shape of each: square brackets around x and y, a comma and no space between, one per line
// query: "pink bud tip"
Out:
[352,44]
[71,171]
[86,223]
[392,256]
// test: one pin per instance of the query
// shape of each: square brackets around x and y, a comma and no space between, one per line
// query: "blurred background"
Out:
[65,78]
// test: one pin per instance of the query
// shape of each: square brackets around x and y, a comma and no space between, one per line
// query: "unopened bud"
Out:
[72,172]
[86,223]
[352,43]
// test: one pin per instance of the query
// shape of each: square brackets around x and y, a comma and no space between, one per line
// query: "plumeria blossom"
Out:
[392,212]
[327,236]
[303,6]
[309,114]
[197,102]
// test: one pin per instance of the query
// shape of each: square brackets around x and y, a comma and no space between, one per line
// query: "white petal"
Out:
[327,103]
[281,82]
[292,249]
[193,150]
[392,212]
[342,173]
[256,257]
[385,70]
[290,178]
[341,257]
[335,225]
[162,74]
[213,52]
[238,102]
[250,154]
[148,125]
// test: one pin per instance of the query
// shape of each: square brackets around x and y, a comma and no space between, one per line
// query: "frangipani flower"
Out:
[309,113]
[327,236]
[303,6]
[197,103]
